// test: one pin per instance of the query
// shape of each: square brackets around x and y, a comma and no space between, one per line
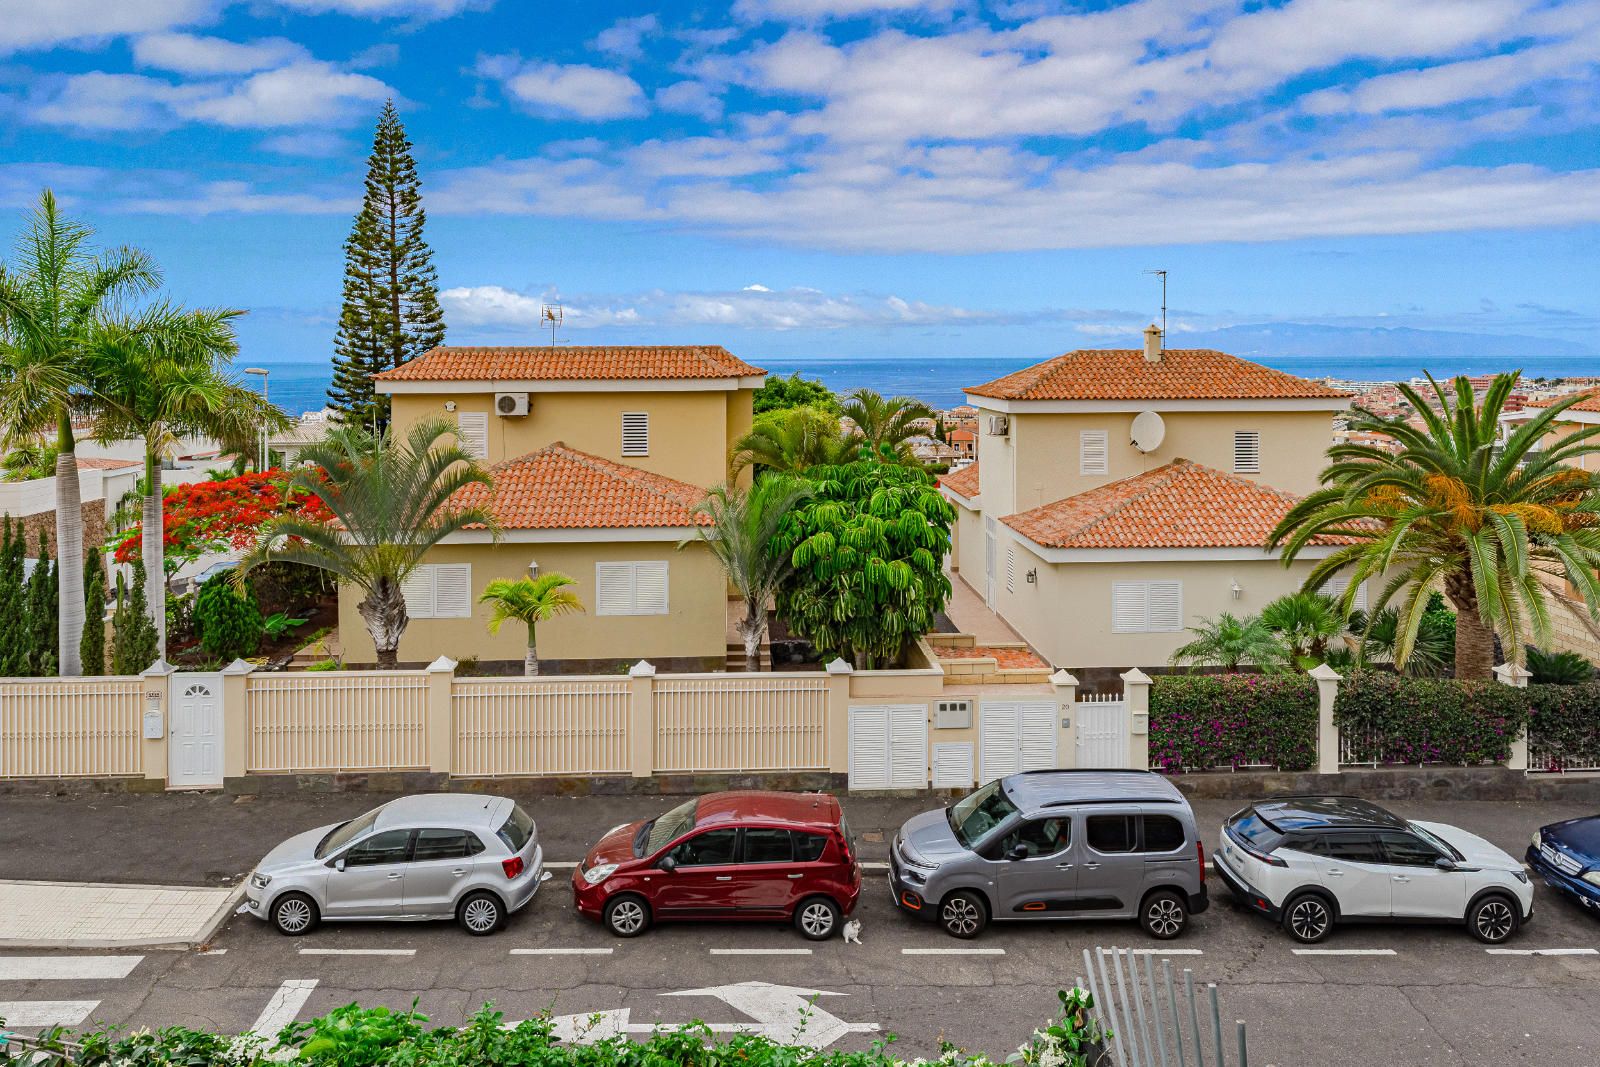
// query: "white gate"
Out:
[194,738]
[889,746]
[1015,735]
[1102,731]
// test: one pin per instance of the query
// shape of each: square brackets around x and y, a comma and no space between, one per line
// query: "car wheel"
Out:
[1308,918]
[1164,915]
[480,914]
[294,914]
[817,918]
[1492,919]
[627,916]
[963,914]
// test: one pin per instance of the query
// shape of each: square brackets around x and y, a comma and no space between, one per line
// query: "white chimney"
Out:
[1152,343]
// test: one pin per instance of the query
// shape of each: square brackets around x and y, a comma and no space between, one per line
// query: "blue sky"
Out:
[843,178]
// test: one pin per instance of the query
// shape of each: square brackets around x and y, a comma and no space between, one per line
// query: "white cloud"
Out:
[571,91]
[237,198]
[707,157]
[30,24]
[99,101]
[818,10]
[186,53]
[415,9]
[625,37]
[313,144]
[690,98]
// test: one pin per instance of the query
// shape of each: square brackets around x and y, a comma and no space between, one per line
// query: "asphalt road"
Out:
[1434,996]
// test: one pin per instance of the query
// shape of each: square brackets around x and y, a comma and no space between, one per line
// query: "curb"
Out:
[207,932]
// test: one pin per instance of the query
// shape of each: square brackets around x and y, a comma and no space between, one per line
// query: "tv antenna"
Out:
[551,315]
[1163,276]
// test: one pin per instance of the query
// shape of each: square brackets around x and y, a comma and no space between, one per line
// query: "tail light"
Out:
[1200,858]
[512,866]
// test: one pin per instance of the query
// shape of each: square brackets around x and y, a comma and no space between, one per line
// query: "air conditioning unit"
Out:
[999,425]
[511,404]
[952,715]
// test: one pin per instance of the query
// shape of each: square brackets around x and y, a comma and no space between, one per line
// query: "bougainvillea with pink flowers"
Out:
[1202,722]
[1389,719]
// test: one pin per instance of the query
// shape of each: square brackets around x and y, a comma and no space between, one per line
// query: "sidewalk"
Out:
[87,915]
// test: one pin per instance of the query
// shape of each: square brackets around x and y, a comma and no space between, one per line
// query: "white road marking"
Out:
[46,1012]
[875,866]
[35,968]
[565,865]
[761,952]
[283,1007]
[358,952]
[1344,952]
[1154,951]
[213,952]
[952,952]
[1543,951]
[562,951]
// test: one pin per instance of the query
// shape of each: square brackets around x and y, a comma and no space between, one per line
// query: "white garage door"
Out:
[889,746]
[1015,735]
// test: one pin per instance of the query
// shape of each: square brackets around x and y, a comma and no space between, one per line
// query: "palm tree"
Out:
[1305,623]
[158,378]
[1231,642]
[1455,509]
[791,441]
[1432,649]
[56,298]
[390,501]
[743,525]
[530,601]
[885,425]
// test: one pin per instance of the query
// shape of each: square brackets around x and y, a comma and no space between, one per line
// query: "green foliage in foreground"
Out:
[353,1036]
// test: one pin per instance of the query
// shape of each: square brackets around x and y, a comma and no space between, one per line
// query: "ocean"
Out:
[302,387]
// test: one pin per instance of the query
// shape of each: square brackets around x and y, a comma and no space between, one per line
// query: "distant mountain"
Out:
[1301,339]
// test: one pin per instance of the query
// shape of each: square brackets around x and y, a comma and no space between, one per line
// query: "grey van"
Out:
[1054,845]
[433,856]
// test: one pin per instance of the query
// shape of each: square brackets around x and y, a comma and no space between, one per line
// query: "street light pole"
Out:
[265,452]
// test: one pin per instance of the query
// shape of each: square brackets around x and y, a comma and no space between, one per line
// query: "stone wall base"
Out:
[563,785]
[79,786]
[1396,783]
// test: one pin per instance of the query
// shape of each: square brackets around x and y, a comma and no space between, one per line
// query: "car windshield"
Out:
[662,830]
[1444,847]
[347,832]
[977,813]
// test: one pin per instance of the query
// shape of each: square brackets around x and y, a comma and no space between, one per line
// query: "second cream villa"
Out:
[1121,495]
[598,455]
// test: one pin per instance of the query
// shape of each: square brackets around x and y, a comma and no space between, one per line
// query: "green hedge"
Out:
[1564,726]
[1205,721]
[353,1036]
[1386,718]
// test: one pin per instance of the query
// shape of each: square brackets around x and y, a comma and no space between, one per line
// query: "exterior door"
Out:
[373,879]
[768,875]
[1417,887]
[441,862]
[1102,733]
[889,747]
[1045,880]
[194,740]
[1015,735]
[1111,870]
[706,876]
[1356,869]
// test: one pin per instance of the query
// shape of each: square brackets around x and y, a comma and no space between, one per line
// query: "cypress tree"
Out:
[42,640]
[13,603]
[133,638]
[390,312]
[93,648]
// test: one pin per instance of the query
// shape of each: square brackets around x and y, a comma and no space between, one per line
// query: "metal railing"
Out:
[1148,1022]
[539,727]
[336,721]
[741,723]
[70,727]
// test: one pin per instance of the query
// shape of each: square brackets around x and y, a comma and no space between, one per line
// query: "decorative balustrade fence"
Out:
[336,721]
[723,723]
[70,728]
[541,726]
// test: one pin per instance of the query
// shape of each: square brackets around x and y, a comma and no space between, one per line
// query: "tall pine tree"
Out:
[391,310]
[94,615]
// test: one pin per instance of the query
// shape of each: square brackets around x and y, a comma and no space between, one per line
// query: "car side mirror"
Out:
[1018,852]
[668,864]
[1445,863]
[338,864]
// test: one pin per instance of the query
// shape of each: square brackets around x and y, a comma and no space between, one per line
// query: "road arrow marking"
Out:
[781,1013]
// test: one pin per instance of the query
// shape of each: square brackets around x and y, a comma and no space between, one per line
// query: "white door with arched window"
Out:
[194,737]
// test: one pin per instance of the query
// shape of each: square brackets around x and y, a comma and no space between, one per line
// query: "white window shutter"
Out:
[1093,451]
[650,587]
[952,766]
[472,431]
[1130,612]
[613,589]
[1334,588]
[452,590]
[869,748]
[418,591]
[1038,736]
[908,746]
[635,433]
[999,741]
[1011,570]
[1166,607]
[1247,451]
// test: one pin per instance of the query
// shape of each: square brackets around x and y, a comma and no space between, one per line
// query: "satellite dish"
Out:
[1149,430]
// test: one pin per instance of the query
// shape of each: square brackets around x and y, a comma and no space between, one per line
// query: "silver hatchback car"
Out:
[433,856]
[1054,845]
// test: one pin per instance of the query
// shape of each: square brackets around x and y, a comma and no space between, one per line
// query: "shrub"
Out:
[1558,668]
[1199,722]
[1563,726]
[1389,719]
[227,621]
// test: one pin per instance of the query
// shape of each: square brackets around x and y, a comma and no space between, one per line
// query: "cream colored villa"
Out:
[598,456]
[1121,495]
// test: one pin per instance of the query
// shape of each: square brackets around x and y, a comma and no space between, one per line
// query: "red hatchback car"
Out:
[742,855]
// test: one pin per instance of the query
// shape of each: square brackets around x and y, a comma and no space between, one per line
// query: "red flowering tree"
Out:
[217,516]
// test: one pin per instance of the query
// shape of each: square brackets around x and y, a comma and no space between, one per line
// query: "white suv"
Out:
[1309,862]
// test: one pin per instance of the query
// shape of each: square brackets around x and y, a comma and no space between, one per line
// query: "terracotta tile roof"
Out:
[1124,374]
[453,363]
[1180,505]
[1590,402]
[560,488]
[106,463]
[963,481]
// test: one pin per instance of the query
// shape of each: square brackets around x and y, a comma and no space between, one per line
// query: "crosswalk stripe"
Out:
[283,1007]
[42,968]
[46,1012]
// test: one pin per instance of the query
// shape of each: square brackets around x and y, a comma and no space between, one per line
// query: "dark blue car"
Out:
[1567,856]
